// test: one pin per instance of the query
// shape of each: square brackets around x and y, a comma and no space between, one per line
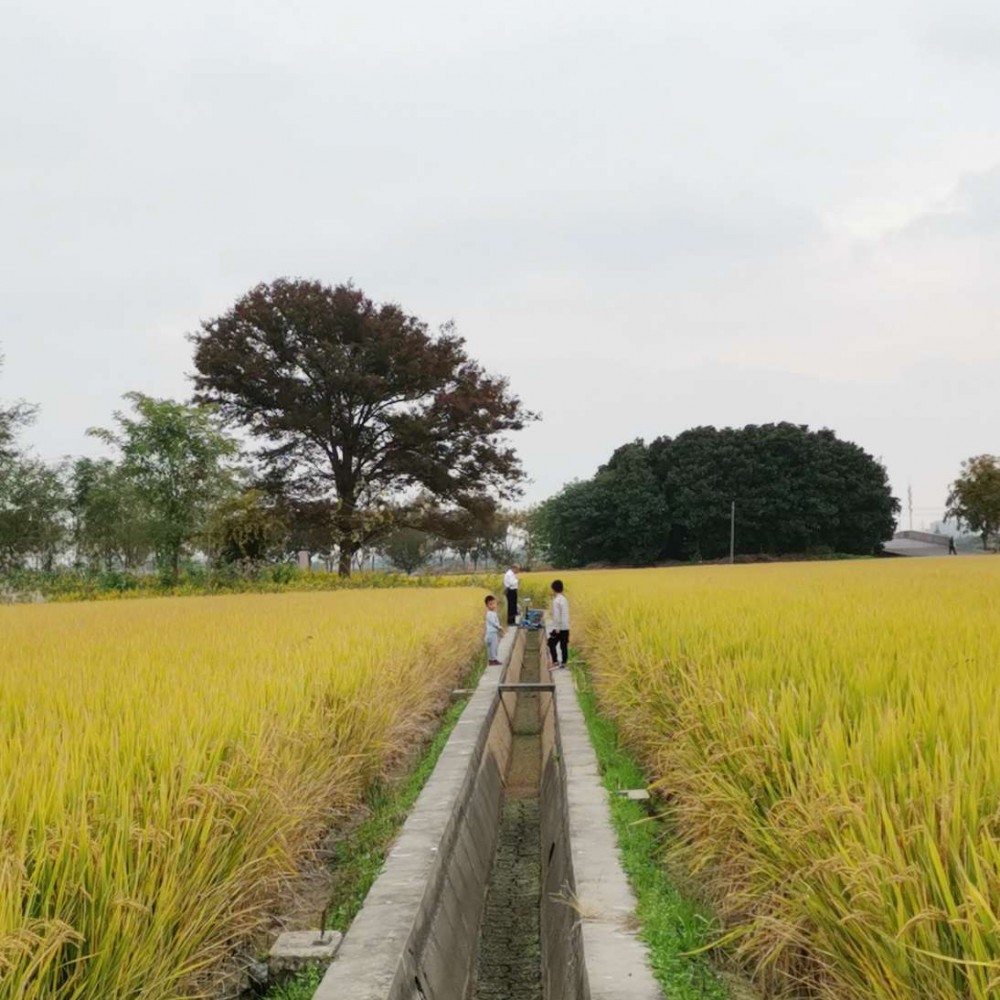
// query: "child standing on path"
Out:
[559,636]
[493,631]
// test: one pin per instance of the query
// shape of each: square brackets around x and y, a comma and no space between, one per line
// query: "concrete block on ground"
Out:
[298,950]
[616,965]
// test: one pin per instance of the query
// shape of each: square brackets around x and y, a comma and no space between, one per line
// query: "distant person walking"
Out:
[510,585]
[952,551]
[559,636]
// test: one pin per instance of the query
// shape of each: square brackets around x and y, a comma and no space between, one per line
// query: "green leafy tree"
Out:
[180,462]
[620,516]
[409,549]
[572,526]
[489,540]
[638,511]
[795,490]
[33,500]
[358,403]
[33,512]
[974,499]
[247,527]
[310,523]
[13,418]
[455,528]
[112,522]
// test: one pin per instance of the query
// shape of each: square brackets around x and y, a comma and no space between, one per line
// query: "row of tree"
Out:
[365,424]
[367,432]
[176,486]
[172,477]
[794,490]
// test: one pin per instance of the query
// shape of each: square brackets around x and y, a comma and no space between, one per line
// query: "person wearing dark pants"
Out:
[559,633]
[559,642]
[510,584]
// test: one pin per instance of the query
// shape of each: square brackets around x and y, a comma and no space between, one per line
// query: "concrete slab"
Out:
[615,969]
[298,950]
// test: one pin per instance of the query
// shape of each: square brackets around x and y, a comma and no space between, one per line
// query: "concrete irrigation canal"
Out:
[505,882]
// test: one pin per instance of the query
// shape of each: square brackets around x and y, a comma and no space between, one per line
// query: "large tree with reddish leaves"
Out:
[358,403]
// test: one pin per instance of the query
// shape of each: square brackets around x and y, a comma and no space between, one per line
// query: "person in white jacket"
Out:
[559,635]
[510,584]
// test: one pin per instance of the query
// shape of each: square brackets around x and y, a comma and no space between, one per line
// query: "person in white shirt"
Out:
[510,583]
[559,635]
[493,632]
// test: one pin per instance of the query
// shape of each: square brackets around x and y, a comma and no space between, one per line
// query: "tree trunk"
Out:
[345,536]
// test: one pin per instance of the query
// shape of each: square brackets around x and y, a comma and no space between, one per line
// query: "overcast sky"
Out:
[648,215]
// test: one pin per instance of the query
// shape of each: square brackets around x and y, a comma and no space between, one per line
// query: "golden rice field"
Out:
[827,738]
[166,764]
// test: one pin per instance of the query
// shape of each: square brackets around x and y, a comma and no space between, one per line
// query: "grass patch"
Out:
[300,987]
[671,925]
[357,859]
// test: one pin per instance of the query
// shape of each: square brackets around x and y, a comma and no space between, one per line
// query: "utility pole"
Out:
[732,533]
[909,503]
